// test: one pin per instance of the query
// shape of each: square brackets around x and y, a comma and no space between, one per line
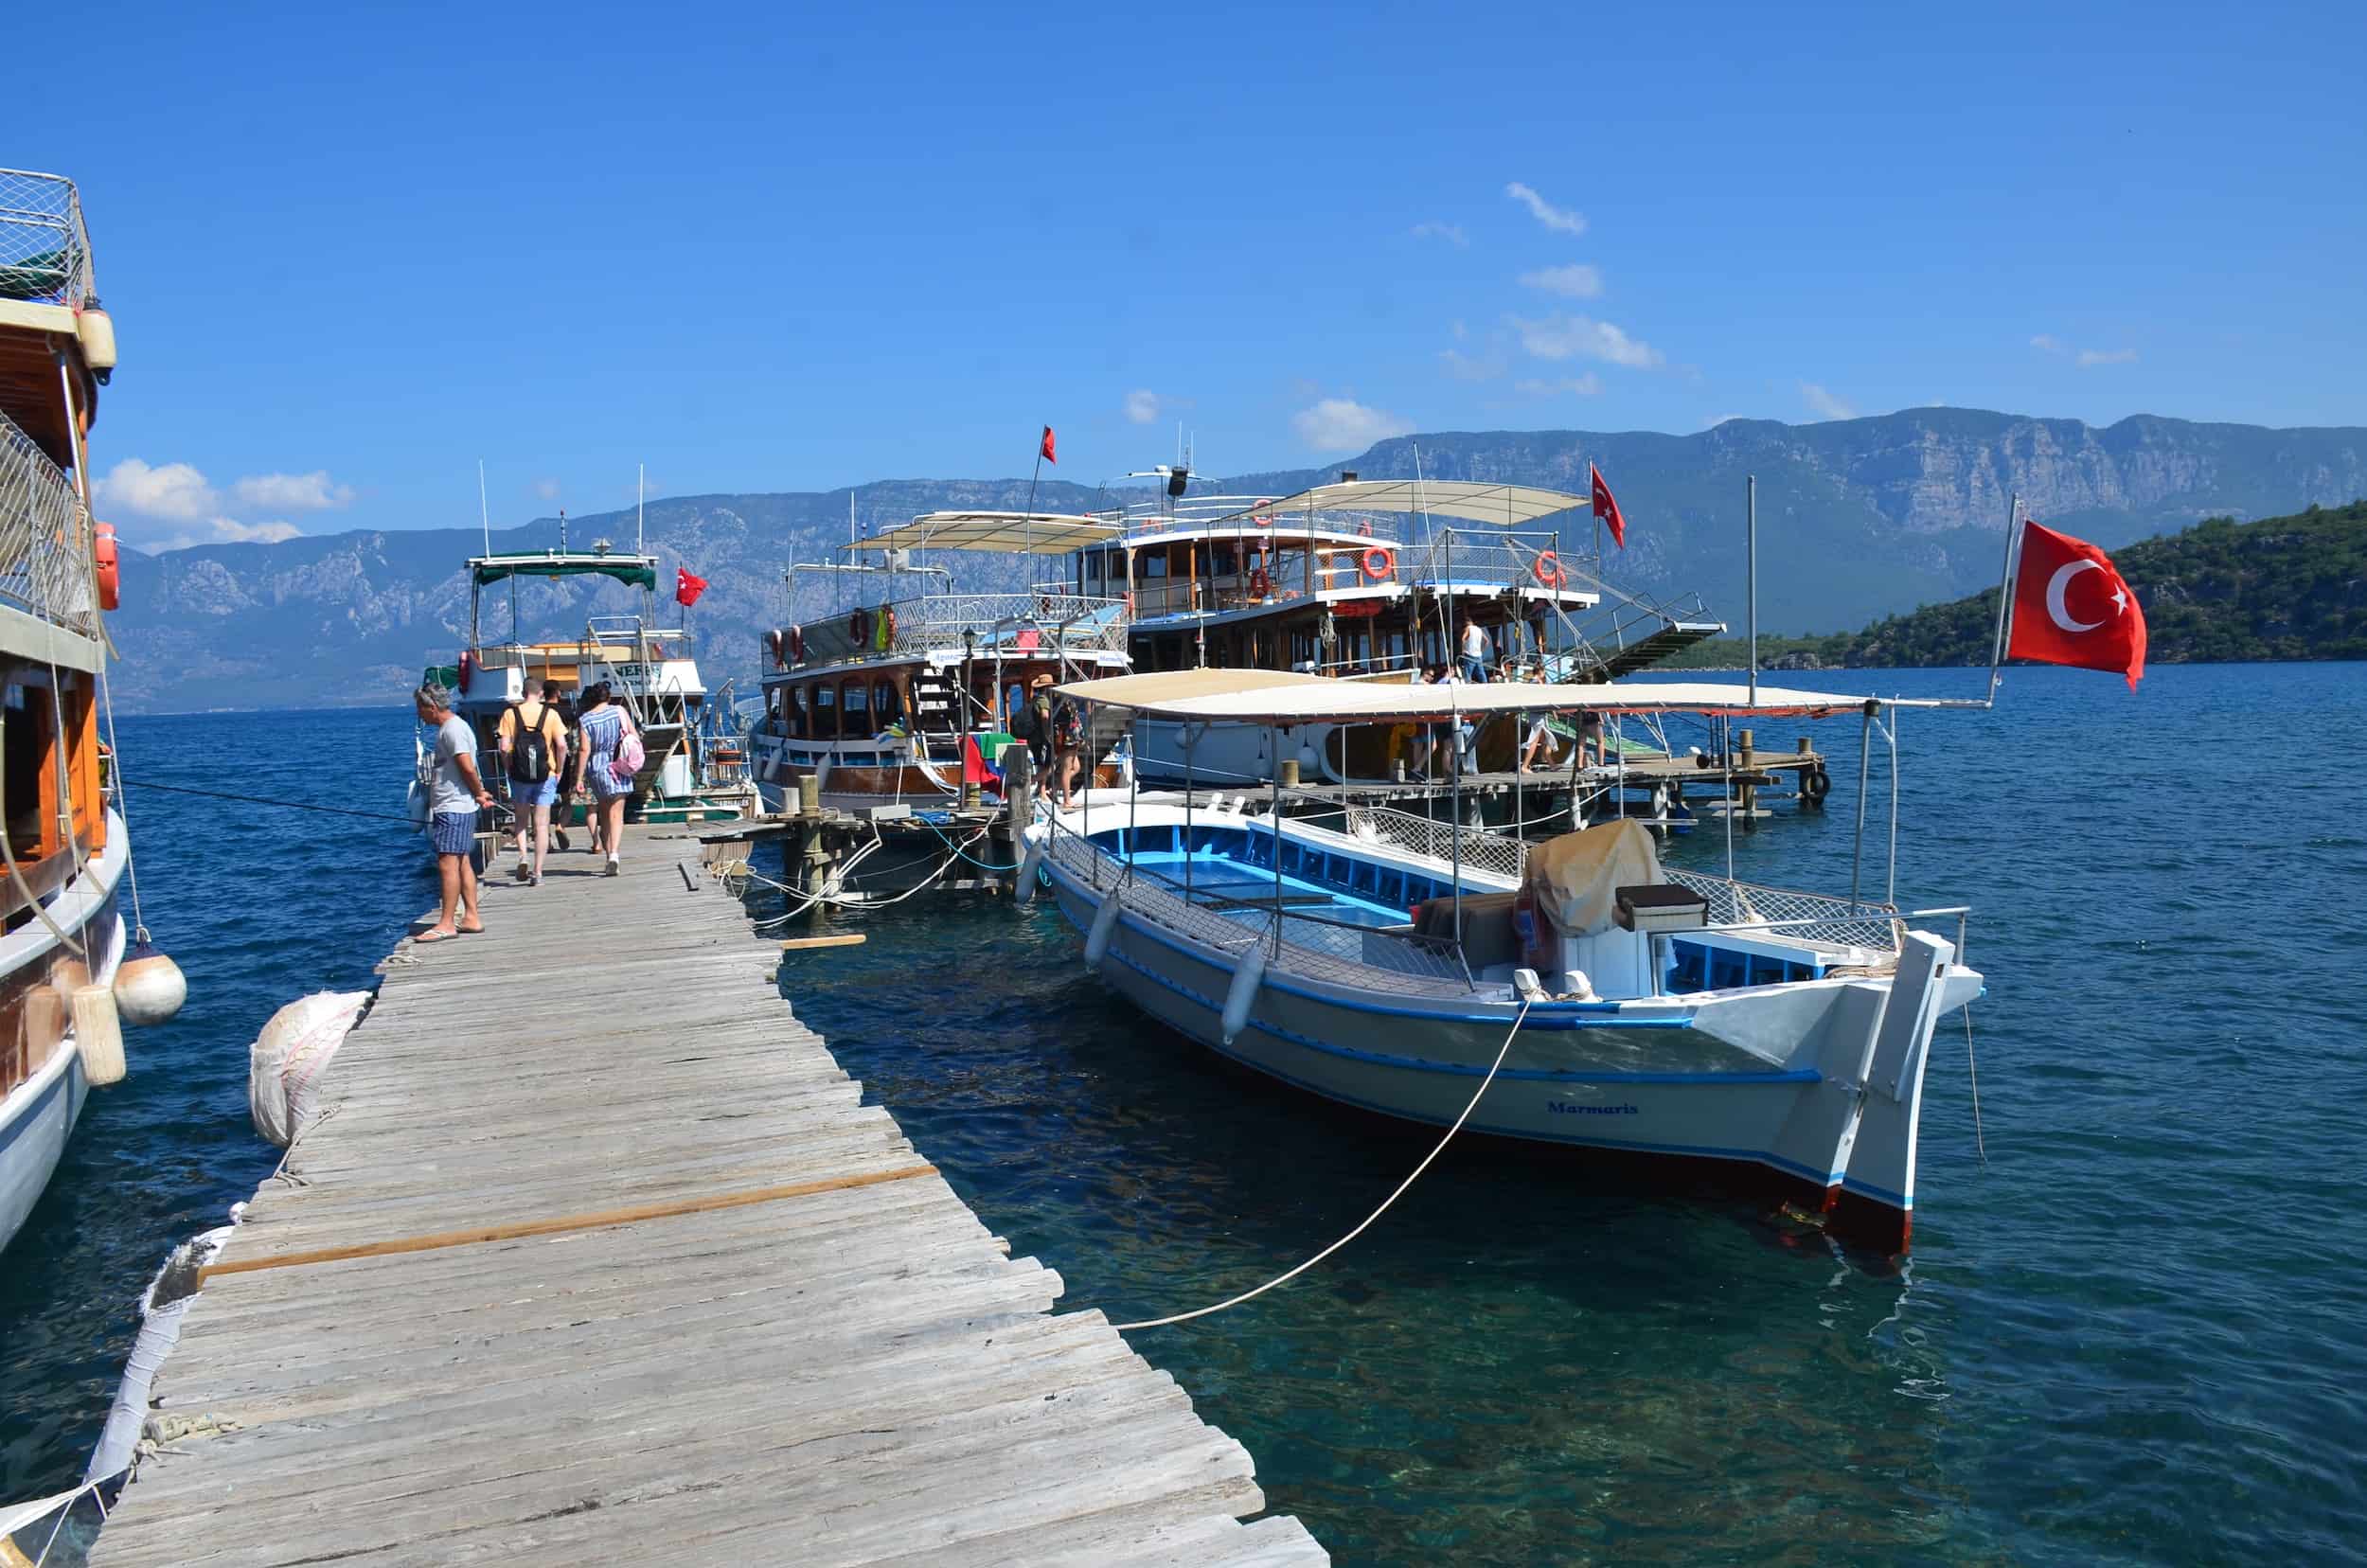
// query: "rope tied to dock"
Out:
[1502,1051]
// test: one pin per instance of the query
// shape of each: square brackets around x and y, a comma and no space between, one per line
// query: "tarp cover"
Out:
[1575,878]
[634,571]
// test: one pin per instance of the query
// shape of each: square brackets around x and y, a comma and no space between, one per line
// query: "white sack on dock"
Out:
[285,1065]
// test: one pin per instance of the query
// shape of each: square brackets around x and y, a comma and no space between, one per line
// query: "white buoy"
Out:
[1248,975]
[150,987]
[1105,923]
[98,1035]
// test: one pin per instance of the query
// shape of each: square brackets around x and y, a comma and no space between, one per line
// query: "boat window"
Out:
[855,711]
[1392,888]
[1153,563]
[826,713]
[25,732]
[883,702]
[800,723]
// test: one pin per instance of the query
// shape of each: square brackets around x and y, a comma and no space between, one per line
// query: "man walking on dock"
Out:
[451,824]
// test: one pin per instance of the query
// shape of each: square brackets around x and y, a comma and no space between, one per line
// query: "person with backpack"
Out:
[612,756]
[534,751]
[1032,723]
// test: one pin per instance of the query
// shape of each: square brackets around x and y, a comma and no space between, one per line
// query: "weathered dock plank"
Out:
[764,1363]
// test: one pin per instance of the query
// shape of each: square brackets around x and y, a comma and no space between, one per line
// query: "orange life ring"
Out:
[797,641]
[1260,584]
[777,644]
[1548,571]
[1387,559]
[109,570]
[468,667]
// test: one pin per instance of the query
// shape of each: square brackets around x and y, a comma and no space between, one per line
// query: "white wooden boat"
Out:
[1383,961]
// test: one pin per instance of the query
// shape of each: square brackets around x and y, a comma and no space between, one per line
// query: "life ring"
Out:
[777,646]
[796,644]
[1388,563]
[467,668]
[1815,784]
[1261,583]
[110,571]
[1547,568]
[859,627]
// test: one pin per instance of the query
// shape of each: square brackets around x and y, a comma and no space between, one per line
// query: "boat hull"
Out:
[36,1118]
[1655,1091]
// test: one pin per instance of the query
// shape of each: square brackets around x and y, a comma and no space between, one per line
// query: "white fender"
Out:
[1248,975]
[1105,923]
[1025,891]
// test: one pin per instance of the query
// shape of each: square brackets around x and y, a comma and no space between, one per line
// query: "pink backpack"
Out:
[629,757]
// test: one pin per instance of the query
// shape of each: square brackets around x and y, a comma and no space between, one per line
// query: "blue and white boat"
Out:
[1383,961]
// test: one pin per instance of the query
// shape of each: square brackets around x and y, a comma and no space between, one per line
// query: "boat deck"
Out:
[597,1254]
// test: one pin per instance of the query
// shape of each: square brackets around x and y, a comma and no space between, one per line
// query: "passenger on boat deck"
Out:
[530,800]
[1590,738]
[1474,652]
[451,825]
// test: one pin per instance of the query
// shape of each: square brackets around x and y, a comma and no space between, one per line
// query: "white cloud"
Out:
[1341,424]
[254,533]
[1560,220]
[2089,358]
[1452,233]
[546,489]
[1471,368]
[1575,281]
[2047,342]
[312,491]
[174,491]
[1561,337]
[1584,386]
[1142,407]
[1823,404]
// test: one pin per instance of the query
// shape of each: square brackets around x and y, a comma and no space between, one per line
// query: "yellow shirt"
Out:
[545,718]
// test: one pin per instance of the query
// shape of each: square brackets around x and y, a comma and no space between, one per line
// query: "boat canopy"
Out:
[1273,697]
[633,570]
[1003,532]
[1506,503]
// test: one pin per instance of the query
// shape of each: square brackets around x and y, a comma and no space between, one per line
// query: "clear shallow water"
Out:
[2135,1335]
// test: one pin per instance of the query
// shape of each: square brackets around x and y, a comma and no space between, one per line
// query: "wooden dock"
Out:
[596,1255]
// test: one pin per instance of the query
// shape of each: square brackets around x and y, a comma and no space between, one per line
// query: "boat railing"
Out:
[1490,557]
[1247,516]
[1496,854]
[1817,919]
[44,247]
[1300,941]
[1048,619]
[45,566]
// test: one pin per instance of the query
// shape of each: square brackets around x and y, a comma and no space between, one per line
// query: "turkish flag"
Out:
[687,587]
[2071,607]
[1045,450]
[1607,509]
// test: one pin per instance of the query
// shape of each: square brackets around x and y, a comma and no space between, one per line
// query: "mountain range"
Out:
[1857,519]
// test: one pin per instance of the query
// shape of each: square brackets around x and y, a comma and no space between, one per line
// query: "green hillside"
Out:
[2221,592]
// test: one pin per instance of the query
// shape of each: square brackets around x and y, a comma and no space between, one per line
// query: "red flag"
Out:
[687,587]
[1046,450]
[2071,607]
[1607,509]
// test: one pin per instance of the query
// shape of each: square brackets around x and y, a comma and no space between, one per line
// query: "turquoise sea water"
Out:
[2134,1335]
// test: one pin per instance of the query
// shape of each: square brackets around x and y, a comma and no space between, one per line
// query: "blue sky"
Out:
[349,254]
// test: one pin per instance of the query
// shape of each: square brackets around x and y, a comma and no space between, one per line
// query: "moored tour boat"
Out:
[63,847]
[1385,962]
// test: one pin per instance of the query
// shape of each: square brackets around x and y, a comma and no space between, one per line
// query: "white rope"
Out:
[1980,1146]
[1283,1279]
[123,807]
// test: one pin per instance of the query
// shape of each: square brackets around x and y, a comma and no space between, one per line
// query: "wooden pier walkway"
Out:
[596,1255]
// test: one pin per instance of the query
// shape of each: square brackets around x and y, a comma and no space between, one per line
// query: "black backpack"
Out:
[531,749]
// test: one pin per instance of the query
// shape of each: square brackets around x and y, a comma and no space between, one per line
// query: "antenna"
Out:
[640,500]
[486,517]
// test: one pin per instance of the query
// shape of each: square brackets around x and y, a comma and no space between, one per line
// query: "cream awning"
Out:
[1271,697]
[1503,504]
[1003,532]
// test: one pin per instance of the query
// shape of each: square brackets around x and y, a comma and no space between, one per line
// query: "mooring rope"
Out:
[1283,1279]
[266,800]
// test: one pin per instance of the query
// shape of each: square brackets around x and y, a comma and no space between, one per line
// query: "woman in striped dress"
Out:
[605,725]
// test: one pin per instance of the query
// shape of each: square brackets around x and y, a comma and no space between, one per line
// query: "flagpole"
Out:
[2004,597]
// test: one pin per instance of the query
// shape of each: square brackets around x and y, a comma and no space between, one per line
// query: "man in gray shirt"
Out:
[451,822]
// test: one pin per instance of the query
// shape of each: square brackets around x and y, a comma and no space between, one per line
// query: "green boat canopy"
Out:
[634,571]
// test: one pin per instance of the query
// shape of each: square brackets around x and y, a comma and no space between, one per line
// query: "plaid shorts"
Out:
[453,833]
